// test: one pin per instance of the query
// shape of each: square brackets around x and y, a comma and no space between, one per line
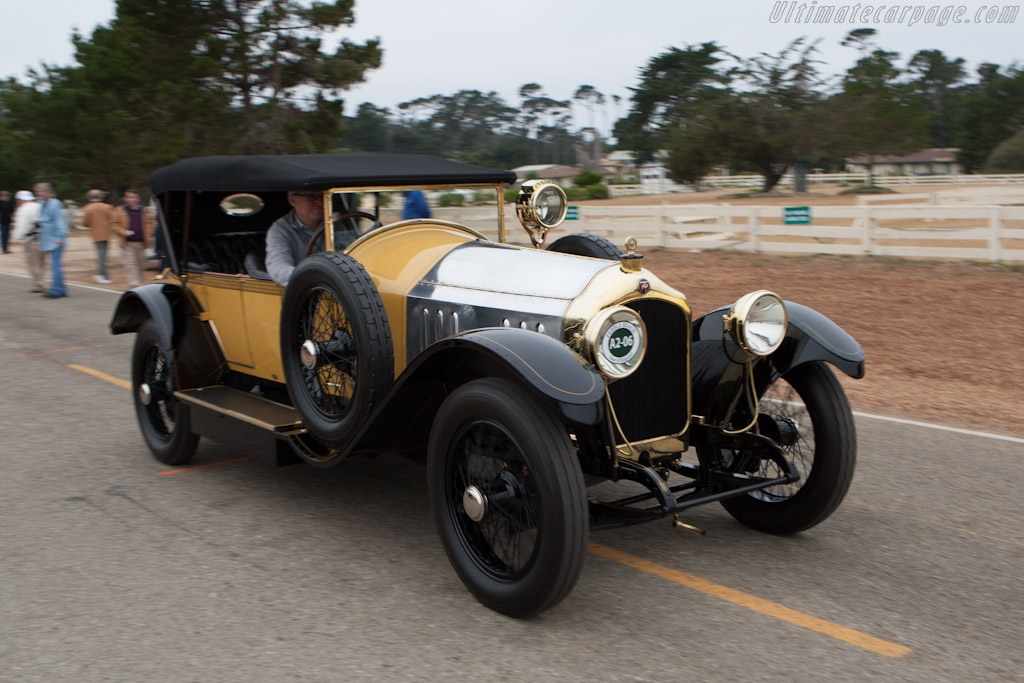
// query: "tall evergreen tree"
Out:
[877,112]
[161,82]
[936,75]
[141,96]
[272,60]
[987,113]
[591,98]
[671,85]
[774,117]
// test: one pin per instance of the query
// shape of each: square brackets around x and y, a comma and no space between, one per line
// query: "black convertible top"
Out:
[317,172]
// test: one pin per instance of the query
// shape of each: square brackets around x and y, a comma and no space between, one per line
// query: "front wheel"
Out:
[807,413]
[163,419]
[508,497]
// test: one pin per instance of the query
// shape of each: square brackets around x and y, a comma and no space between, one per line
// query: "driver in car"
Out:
[289,235]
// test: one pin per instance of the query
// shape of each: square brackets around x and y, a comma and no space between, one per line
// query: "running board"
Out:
[245,406]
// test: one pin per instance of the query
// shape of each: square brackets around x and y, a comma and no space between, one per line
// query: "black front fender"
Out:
[813,336]
[548,367]
[810,336]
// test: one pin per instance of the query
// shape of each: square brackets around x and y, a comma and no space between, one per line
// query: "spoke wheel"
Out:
[807,413]
[328,352]
[503,540]
[335,348]
[508,497]
[164,421]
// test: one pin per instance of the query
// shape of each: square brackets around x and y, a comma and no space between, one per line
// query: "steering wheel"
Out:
[319,233]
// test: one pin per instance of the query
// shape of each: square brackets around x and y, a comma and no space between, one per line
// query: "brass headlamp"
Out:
[541,206]
[757,322]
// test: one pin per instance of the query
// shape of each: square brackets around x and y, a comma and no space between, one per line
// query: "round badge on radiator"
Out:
[643,286]
[620,342]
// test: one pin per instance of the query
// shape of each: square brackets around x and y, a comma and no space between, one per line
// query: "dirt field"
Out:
[941,339]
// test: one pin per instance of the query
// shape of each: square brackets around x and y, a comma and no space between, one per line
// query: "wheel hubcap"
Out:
[145,394]
[308,354]
[474,503]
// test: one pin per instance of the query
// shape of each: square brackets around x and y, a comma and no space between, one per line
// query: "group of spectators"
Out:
[41,226]
[38,221]
[131,221]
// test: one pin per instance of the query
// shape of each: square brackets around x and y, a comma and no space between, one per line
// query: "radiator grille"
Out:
[652,402]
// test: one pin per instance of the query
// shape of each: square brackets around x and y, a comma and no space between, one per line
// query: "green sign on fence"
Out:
[796,215]
[572,213]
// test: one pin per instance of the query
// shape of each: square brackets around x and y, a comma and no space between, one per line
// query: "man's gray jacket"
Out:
[286,246]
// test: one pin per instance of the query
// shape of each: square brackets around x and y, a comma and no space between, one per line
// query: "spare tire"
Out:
[583,244]
[335,346]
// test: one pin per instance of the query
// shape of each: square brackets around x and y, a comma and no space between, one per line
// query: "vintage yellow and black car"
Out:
[530,380]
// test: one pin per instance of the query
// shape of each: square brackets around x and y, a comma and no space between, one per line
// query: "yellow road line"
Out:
[124,384]
[766,607]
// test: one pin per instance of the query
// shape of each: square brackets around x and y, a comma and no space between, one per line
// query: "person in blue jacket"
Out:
[53,234]
[415,205]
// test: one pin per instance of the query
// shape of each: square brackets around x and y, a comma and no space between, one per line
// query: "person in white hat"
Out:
[26,232]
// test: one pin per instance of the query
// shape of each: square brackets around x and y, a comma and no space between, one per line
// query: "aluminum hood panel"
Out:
[505,269]
[483,284]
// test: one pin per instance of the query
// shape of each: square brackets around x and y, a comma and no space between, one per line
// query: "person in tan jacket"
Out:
[96,217]
[136,225]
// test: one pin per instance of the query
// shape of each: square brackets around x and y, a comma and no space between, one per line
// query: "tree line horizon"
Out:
[171,79]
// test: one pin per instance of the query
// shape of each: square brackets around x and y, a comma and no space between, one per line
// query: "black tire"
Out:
[164,421]
[331,302]
[823,448]
[583,244]
[526,552]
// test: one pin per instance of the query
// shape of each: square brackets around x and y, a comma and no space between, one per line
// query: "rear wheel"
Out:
[508,497]
[807,413]
[164,420]
[583,244]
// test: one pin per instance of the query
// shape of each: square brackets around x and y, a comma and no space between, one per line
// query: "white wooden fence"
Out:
[985,233]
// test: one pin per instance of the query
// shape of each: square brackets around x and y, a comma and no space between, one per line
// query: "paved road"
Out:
[114,571]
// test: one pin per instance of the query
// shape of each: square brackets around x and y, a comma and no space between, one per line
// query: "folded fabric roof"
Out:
[317,172]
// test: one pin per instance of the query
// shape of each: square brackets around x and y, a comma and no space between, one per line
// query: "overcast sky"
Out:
[442,46]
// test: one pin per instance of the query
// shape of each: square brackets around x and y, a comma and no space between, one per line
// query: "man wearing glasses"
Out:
[289,235]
